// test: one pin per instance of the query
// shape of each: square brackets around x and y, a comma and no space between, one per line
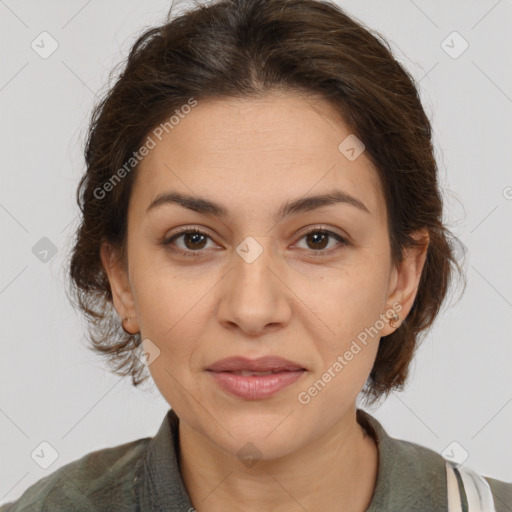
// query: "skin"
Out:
[252,156]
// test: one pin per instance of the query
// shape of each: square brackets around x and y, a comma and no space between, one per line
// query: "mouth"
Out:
[262,366]
[254,386]
[255,379]
[248,373]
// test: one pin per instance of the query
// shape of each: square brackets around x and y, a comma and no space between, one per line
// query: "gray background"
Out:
[53,389]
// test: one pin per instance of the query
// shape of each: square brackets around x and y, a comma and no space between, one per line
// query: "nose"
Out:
[254,298]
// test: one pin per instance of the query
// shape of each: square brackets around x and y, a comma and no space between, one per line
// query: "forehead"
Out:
[257,151]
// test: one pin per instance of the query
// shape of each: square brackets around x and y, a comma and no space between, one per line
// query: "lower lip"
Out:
[256,387]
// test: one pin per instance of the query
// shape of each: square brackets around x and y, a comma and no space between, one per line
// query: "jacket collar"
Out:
[159,485]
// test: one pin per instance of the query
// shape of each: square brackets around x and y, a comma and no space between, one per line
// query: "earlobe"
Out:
[407,277]
[122,295]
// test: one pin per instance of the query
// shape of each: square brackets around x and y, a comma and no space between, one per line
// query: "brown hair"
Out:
[246,48]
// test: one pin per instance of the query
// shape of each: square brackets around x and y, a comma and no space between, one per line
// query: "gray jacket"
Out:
[144,476]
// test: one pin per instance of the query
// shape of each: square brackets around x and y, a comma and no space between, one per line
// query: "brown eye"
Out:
[192,240]
[317,241]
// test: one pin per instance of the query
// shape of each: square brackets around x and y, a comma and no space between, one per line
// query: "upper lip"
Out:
[262,364]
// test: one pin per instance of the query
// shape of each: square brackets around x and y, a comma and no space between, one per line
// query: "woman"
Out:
[261,211]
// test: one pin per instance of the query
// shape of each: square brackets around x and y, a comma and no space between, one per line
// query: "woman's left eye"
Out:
[194,241]
[318,239]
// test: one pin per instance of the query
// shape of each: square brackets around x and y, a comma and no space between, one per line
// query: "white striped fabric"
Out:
[478,491]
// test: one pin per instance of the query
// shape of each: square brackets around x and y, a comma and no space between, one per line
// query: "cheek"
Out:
[170,335]
[350,306]
[350,301]
[165,300]
[337,385]
[349,351]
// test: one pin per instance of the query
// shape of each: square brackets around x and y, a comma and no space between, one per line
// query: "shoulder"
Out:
[502,494]
[96,481]
[423,461]
[414,477]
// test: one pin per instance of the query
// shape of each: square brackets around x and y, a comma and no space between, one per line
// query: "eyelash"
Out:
[322,252]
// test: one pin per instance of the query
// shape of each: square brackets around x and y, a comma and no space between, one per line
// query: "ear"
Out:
[122,295]
[404,280]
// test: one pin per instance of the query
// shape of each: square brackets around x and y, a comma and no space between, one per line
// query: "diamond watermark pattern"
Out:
[249,454]
[455,453]
[150,352]
[44,455]
[351,147]
[249,249]
[44,45]
[44,250]
[454,45]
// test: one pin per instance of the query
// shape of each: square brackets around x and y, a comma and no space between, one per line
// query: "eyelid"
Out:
[323,228]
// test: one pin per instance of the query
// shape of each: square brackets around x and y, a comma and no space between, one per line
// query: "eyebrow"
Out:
[304,204]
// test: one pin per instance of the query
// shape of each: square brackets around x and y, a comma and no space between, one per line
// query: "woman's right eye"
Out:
[193,241]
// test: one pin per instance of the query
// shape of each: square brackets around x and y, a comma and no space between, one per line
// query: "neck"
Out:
[337,471]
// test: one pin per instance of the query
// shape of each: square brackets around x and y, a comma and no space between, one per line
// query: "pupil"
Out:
[315,239]
[193,237]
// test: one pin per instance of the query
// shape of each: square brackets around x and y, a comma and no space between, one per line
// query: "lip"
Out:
[261,364]
[256,387]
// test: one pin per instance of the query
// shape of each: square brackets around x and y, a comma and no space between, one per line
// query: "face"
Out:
[302,283]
